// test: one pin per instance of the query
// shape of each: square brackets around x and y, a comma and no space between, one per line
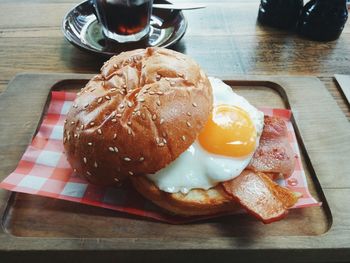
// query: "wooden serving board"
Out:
[44,229]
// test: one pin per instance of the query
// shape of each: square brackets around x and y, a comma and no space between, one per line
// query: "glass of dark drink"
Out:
[124,20]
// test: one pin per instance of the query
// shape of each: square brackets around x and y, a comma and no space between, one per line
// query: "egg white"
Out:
[197,168]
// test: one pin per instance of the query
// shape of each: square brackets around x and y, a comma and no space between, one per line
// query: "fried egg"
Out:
[222,150]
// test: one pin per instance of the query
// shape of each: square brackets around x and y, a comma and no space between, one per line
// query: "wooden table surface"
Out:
[224,38]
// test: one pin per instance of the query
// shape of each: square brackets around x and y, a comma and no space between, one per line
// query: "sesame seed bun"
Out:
[197,202]
[140,113]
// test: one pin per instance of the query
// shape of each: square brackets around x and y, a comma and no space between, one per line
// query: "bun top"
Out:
[145,108]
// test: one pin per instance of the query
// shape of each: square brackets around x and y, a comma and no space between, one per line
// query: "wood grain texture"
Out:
[224,38]
[314,235]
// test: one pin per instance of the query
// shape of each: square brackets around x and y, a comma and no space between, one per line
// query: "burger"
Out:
[187,142]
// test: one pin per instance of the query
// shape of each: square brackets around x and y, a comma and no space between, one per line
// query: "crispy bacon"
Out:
[274,153]
[260,196]
[253,188]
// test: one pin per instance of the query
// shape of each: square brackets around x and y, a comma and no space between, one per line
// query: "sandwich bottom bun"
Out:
[197,202]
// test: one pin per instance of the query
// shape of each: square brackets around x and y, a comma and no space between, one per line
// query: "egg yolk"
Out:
[229,132]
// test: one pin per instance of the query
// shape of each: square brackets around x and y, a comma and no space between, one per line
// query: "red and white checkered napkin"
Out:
[44,170]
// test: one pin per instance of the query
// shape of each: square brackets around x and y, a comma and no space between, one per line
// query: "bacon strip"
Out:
[260,196]
[274,153]
[254,189]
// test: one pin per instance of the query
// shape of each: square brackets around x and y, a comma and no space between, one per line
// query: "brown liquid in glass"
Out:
[122,19]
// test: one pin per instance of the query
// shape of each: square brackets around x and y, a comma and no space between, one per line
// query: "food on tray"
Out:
[187,142]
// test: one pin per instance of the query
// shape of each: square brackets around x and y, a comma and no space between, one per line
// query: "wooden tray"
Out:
[35,227]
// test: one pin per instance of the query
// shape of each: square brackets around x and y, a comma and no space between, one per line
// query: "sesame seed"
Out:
[92,89]
[183,138]
[85,160]
[131,173]
[113,120]
[121,106]
[111,149]
[194,104]
[114,136]
[68,137]
[75,106]
[129,131]
[141,159]
[161,121]
[164,140]
[88,173]
[127,159]
[138,113]
[172,83]
[118,115]
[154,117]
[161,144]
[107,97]
[72,122]
[99,100]
[78,136]
[157,140]
[74,170]
[115,66]
[113,114]
[113,89]
[129,123]
[92,123]
[189,113]
[121,92]
[90,143]
[99,131]
[158,77]
[86,105]
[64,139]
[124,86]
[65,121]
[116,149]
[130,104]
[82,127]
[158,102]
[95,165]
[143,116]
[188,124]
[160,92]
[141,99]
[75,135]
[180,75]
[152,93]
[164,134]
[116,179]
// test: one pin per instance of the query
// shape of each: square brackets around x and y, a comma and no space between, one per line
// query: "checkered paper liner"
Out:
[44,170]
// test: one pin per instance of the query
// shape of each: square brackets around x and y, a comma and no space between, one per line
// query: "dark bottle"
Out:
[323,20]
[282,14]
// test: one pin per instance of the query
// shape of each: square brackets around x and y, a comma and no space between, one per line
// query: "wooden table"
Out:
[224,38]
